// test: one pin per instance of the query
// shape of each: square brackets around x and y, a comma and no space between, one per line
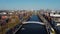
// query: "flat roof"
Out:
[55,15]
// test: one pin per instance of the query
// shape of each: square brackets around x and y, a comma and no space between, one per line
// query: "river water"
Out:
[34,18]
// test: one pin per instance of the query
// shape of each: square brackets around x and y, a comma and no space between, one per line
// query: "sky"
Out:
[29,4]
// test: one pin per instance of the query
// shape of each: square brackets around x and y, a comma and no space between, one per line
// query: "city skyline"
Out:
[29,4]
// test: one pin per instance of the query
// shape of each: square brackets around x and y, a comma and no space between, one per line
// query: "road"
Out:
[53,25]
